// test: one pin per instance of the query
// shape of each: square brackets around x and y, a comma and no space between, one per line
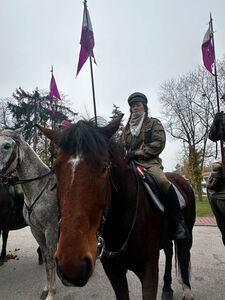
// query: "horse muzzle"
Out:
[75,278]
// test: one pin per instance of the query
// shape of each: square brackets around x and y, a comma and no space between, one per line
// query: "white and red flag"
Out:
[53,93]
[207,51]
[87,40]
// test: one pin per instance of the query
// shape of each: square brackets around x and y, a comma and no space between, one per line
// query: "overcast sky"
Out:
[138,46]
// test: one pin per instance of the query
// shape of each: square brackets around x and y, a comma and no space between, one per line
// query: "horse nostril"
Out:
[88,265]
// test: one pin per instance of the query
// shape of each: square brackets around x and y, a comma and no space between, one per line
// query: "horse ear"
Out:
[19,131]
[112,127]
[53,135]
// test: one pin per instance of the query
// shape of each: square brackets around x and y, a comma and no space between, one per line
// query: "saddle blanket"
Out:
[155,198]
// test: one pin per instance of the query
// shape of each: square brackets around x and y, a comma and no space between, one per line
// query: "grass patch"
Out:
[203,208]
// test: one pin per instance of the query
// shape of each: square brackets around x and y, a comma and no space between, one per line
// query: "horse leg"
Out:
[51,242]
[167,293]
[40,258]
[218,208]
[183,253]
[41,240]
[149,278]
[5,234]
[50,288]
[117,278]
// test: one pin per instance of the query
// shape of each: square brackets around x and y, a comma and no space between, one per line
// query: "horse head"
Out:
[82,169]
[10,152]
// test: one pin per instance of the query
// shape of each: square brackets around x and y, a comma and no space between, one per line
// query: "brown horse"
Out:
[106,212]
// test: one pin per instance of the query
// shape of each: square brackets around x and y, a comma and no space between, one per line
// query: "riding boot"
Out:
[181,231]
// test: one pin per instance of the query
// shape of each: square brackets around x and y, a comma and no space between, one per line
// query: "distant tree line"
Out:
[25,109]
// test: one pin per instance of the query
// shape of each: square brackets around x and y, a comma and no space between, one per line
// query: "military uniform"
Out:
[147,152]
[144,139]
[216,133]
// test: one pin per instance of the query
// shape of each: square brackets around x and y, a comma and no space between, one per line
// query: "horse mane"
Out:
[87,138]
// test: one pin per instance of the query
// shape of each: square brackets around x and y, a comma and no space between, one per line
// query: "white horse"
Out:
[39,185]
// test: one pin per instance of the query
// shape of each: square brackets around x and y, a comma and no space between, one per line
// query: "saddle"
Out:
[154,192]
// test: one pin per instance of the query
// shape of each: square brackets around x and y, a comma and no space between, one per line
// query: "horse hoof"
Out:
[187,296]
[44,295]
[167,295]
[1,262]
[40,262]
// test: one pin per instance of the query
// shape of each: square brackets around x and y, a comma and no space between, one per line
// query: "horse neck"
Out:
[124,178]
[30,166]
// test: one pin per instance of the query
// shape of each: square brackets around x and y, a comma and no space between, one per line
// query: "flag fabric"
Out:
[53,93]
[84,41]
[207,51]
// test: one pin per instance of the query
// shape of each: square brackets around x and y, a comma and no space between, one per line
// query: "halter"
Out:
[101,251]
[21,181]
[13,154]
[11,159]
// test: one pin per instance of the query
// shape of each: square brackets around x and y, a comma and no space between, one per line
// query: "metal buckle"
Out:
[101,245]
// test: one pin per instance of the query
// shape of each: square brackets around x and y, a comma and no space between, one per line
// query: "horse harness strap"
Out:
[33,179]
[101,243]
[12,158]
[29,209]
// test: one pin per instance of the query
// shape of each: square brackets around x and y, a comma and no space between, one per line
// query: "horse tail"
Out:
[182,260]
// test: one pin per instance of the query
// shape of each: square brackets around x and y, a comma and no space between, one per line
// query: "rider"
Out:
[217,129]
[144,139]
[216,133]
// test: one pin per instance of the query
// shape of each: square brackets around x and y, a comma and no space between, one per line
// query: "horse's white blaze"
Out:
[74,162]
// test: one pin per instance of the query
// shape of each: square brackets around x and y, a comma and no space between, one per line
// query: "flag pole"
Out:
[215,69]
[53,127]
[217,95]
[89,51]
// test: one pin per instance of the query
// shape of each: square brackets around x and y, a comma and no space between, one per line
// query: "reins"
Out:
[23,181]
[33,179]
[102,251]
[29,209]
[12,158]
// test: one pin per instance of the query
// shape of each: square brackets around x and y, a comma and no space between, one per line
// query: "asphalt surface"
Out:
[23,279]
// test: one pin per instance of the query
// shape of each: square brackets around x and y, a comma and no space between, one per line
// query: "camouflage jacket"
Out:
[214,133]
[154,143]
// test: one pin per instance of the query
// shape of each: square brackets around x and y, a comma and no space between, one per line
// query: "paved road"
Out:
[23,279]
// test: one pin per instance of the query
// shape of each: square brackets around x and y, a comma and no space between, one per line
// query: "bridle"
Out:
[101,250]
[21,181]
[13,154]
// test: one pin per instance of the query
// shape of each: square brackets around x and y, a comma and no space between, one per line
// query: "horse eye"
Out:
[6,146]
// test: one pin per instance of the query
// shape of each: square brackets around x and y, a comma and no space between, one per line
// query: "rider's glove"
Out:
[131,156]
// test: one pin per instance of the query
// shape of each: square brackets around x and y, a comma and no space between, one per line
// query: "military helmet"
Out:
[137,97]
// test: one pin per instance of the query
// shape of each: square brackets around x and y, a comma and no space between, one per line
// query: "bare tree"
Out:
[5,114]
[188,107]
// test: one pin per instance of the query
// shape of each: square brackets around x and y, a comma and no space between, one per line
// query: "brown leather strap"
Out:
[11,159]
